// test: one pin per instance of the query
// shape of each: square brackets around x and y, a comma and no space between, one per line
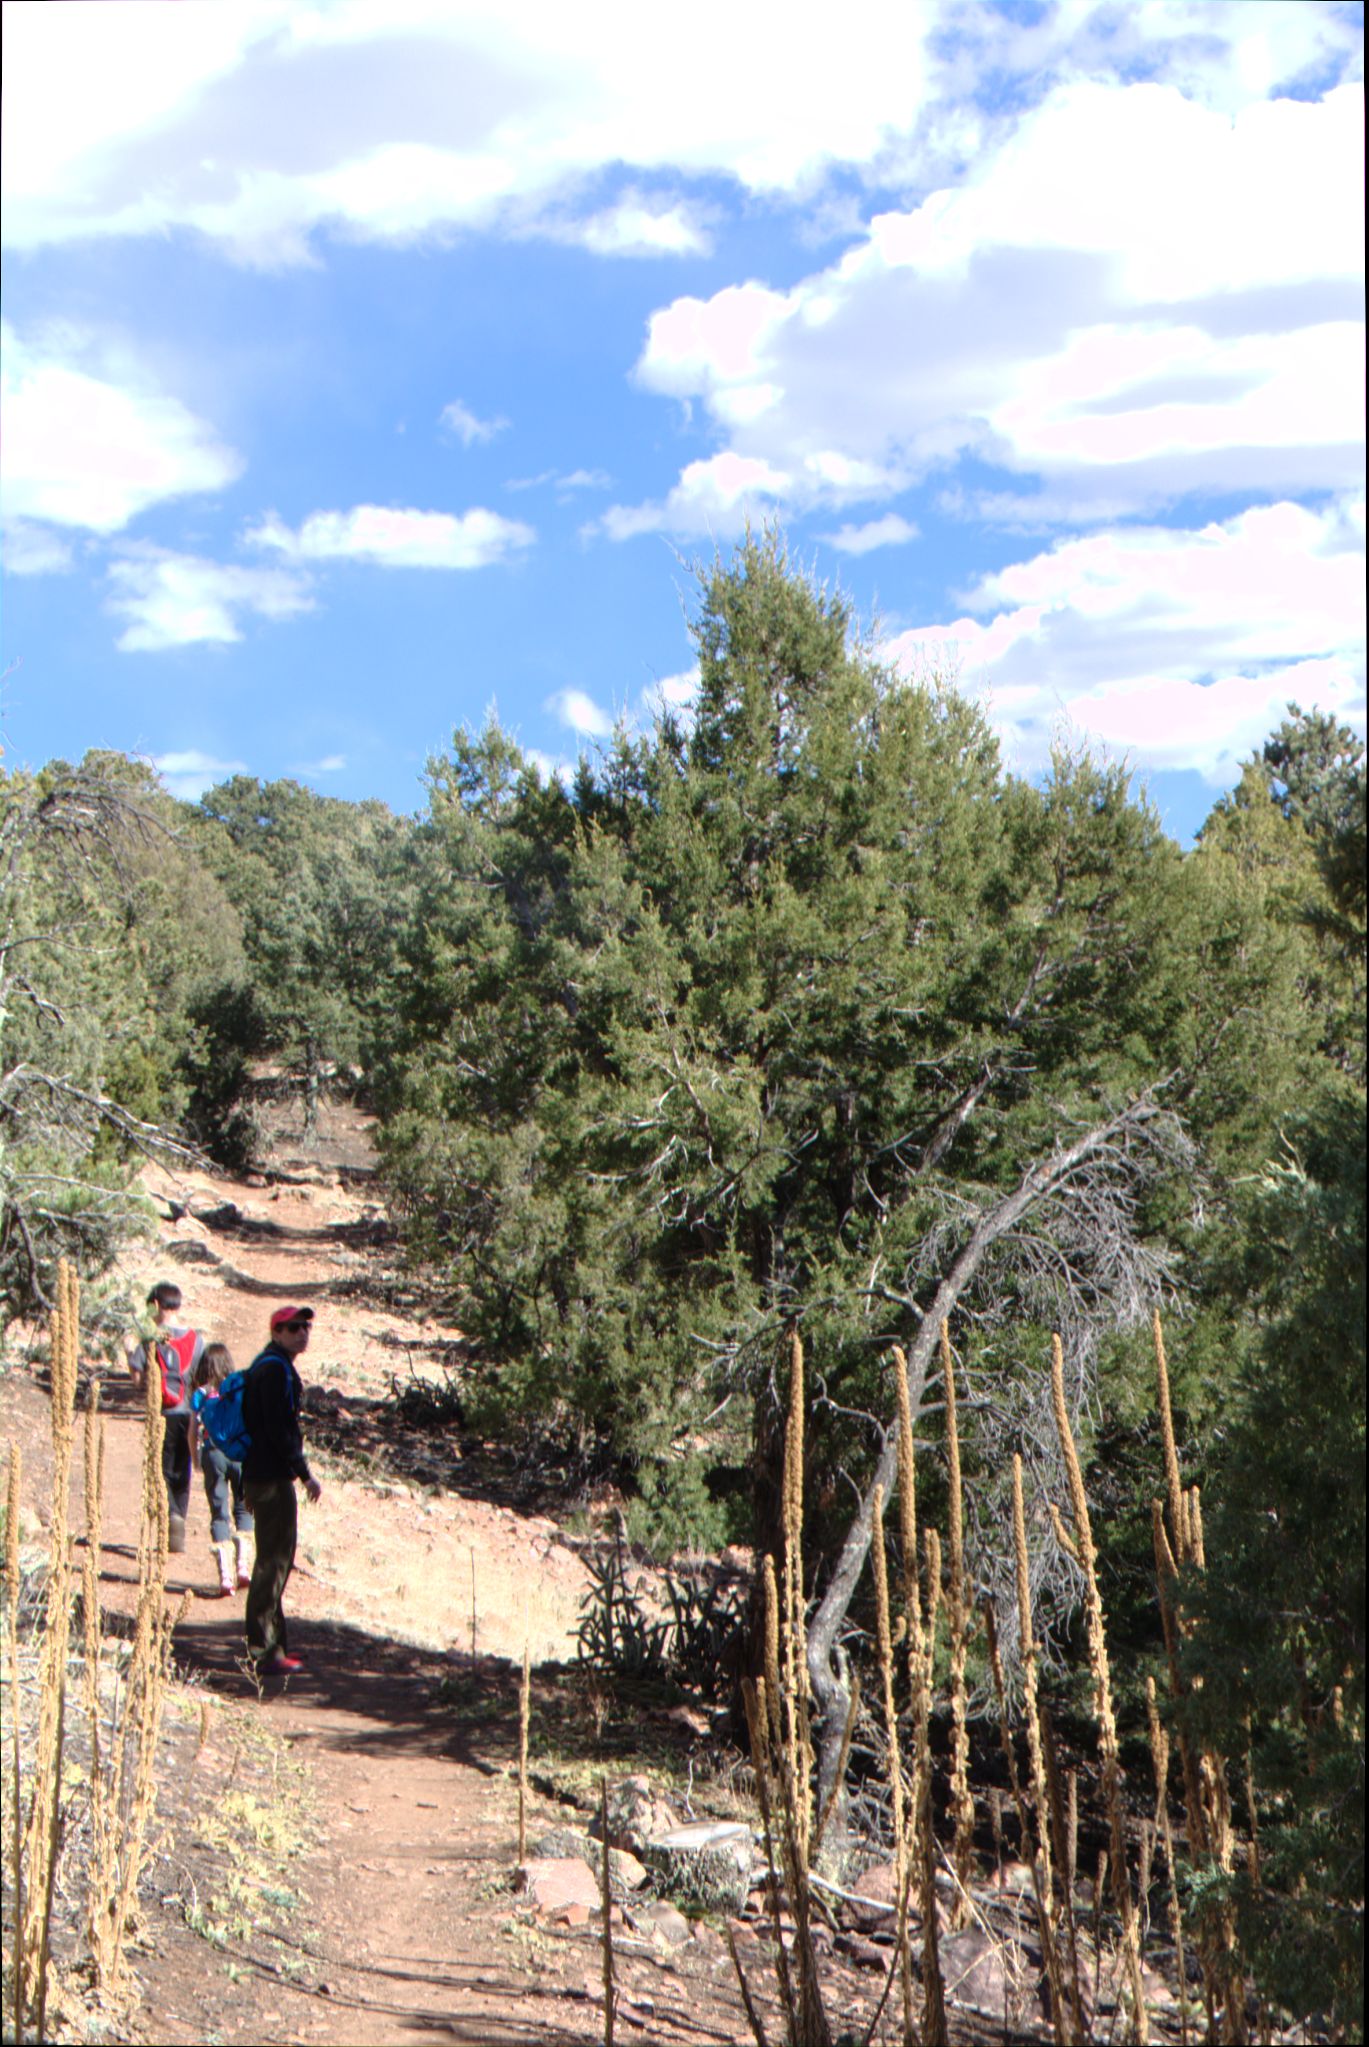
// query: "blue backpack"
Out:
[221,1417]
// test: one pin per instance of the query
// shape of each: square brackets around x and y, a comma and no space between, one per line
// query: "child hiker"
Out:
[222,1481]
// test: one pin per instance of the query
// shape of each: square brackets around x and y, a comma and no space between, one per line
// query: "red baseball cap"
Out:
[279,1315]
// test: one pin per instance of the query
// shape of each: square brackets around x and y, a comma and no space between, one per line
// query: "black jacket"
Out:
[270,1409]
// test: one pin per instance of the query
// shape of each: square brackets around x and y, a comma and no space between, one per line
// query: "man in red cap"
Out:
[273,1461]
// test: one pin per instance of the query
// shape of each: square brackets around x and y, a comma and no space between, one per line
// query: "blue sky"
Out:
[367,365]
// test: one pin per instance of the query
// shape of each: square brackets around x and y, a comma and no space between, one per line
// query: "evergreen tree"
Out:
[734,1034]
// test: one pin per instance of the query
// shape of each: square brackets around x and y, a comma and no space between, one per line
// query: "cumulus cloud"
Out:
[717,495]
[90,441]
[180,600]
[189,773]
[637,227]
[1175,644]
[890,531]
[1185,317]
[574,707]
[395,537]
[30,550]
[425,117]
[467,426]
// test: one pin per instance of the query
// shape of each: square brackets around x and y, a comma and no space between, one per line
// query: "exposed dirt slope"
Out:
[396,1917]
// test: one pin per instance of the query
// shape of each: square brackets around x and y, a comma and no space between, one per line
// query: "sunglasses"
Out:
[306,1322]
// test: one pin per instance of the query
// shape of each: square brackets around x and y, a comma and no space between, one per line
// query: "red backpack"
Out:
[175,1356]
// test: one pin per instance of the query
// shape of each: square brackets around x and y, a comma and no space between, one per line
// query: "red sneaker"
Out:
[279,1664]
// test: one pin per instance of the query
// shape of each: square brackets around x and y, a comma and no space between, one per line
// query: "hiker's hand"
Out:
[313,1489]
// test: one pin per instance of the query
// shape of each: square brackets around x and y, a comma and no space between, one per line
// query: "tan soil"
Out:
[406,1927]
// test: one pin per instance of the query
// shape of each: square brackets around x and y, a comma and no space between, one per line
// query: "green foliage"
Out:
[693,1643]
[738,1030]
[319,884]
[107,931]
[1279,1644]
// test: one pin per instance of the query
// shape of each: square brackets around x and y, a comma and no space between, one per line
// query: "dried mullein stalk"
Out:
[962,1803]
[1102,1693]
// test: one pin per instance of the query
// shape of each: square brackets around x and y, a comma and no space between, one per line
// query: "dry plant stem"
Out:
[1173,1485]
[748,2002]
[12,1497]
[1102,1693]
[962,1804]
[1031,1694]
[884,1643]
[934,2033]
[132,1787]
[103,1827]
[524,1706]
[1063,2026]
[1159,1750]
[43,1832]
[912,1615]
[933,1989]
[608,1914]
[759,1727]
[884,1640]
[1206,1793]
[798,1742]
[1065,1827]
[912,1596]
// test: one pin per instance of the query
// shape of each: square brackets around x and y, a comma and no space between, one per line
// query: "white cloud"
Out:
[890,531]
[579,710]
[713,496]
[189,773]
[180,600]
[636,227]
[468,428]
[551,766]
[331,764]
[427,117]
[1186,316]
[1175,644]
[95,449]
[30,550]
[572,480]
[670,695]
[394,537]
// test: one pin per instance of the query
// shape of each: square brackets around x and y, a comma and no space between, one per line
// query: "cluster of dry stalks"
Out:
[778,1711]
[120,1702]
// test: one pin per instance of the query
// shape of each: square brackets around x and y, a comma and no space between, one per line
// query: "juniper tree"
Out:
[744,1029]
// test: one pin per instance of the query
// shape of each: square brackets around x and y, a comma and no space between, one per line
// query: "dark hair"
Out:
[166,1294]
[215,1363]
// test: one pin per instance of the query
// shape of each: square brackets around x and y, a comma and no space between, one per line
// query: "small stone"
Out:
[863,1952]
[552,1883]
[666,1920]
[635,1815]
[876,1889]
[980,1972]
[573,1914]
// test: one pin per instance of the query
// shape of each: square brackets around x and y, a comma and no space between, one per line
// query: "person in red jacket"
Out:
[173,1351]
[274,1460]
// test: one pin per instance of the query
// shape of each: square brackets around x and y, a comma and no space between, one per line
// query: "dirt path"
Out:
[404,1927]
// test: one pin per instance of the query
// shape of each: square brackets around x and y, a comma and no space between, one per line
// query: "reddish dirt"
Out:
[402,1924]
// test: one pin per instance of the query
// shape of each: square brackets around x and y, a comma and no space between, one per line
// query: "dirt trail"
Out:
[408,1931]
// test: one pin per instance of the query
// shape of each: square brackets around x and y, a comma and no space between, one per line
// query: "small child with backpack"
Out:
[215,1387]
